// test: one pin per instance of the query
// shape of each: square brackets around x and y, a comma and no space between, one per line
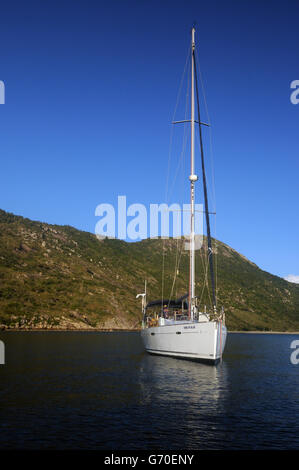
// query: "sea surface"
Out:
[94,390]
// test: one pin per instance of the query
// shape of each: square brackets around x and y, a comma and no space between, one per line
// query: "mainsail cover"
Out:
[178,303]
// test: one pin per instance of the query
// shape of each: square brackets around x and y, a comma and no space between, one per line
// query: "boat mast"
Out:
[192,178]
[210,250]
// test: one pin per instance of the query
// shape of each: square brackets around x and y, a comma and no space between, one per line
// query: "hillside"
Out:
[60,277]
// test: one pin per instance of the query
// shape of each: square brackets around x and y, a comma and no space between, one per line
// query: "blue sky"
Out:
[90,92]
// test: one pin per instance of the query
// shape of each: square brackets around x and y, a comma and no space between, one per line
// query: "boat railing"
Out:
[154,318]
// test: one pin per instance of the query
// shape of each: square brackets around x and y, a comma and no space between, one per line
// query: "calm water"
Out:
[91,390]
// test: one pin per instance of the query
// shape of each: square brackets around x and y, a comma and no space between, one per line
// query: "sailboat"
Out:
[177,327]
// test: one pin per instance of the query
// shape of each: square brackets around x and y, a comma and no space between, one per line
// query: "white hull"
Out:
[197,341]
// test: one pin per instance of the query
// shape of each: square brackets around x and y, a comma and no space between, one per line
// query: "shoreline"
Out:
[127,330]
[267,332]
[96,330]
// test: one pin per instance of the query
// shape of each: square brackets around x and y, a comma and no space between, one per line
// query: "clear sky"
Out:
[91,88]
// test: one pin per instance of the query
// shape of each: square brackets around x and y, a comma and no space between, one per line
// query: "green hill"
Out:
[60,277]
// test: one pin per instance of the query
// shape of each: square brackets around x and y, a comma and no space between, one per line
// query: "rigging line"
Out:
[207,181]
[205,191]
[213,240]
[163,268]
[181,159]
[210,129]
[216,259]
[212,168]
[205,272]
[183,169]
[210,188]
[175,273]
[208,290]
[174,277]
[177,265]
[168,169]
[182,154]
[172,127]
[181,252]
[206,281]
[204,264]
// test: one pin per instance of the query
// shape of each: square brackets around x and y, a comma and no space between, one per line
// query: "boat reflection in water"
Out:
[174,378]
[182,397]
